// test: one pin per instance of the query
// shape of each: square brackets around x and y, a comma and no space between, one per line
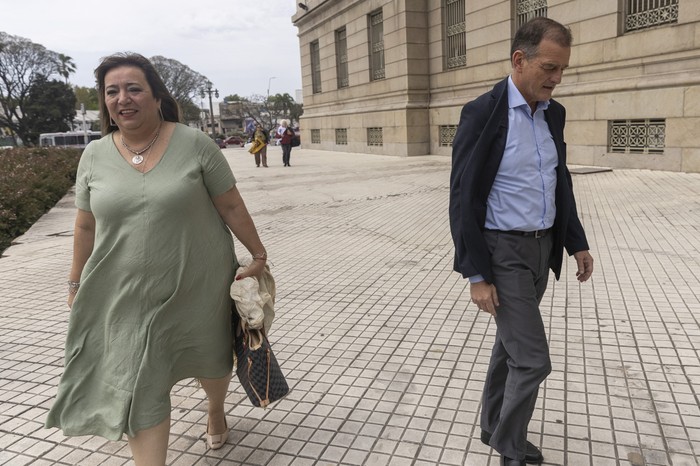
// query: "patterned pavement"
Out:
[383,350]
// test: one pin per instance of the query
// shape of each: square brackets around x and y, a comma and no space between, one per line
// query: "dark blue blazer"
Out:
[477,151]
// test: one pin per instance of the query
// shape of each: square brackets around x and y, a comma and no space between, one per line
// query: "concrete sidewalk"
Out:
[383,350]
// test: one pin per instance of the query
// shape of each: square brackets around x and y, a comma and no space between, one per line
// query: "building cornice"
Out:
[316,8]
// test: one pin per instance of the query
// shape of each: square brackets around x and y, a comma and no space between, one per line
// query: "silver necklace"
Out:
[137,159]
[142,170]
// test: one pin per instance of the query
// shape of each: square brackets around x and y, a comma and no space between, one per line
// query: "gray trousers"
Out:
[520,356]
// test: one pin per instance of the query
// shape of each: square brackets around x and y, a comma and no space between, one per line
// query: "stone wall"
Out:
[650,73]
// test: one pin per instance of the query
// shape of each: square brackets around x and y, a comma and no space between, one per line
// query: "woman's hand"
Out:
[255,269]
[71,297]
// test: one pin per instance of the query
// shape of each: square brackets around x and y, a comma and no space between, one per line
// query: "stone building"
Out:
[390,76]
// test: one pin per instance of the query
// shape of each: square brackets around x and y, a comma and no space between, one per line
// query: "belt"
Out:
[534,234]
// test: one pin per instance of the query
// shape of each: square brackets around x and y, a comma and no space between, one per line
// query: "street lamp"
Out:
[268,86]
[210,91]
[267,100]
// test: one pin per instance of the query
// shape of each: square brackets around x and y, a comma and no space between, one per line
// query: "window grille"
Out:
[637,136]
[376,46]
[341,57]
[315,67]
[315,136]
[454,33]
[341,136]
[375,137]
[447,135]
[642,14]
[525,10]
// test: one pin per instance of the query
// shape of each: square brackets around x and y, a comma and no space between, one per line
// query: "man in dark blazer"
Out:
[512,212]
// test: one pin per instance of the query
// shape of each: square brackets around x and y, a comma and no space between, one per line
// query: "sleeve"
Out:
[82,179]
[216,172]
[575,239]
[461,216]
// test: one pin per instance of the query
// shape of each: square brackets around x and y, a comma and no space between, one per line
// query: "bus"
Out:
[7,142]
[68,139]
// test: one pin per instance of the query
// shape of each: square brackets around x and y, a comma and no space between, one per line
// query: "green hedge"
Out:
[32,180]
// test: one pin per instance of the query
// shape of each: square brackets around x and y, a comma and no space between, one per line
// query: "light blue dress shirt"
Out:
[523,192]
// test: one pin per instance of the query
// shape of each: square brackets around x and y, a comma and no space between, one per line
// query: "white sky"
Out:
[238,44]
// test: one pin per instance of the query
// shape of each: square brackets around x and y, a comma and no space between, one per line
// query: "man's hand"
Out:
[584,261]
[485,297]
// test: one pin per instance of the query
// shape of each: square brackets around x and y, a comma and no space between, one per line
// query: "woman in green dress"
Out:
[153,261]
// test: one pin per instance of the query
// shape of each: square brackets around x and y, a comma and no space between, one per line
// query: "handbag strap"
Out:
[253,337]
[266,401]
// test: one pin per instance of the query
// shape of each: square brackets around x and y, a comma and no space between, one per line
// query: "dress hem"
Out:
[85,431]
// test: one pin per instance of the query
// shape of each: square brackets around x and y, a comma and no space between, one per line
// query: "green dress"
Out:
[153,306]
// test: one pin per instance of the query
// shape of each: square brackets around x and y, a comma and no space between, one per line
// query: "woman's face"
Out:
[129,98]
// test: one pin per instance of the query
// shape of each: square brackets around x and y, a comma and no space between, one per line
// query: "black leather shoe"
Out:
[533,455]
[505,461]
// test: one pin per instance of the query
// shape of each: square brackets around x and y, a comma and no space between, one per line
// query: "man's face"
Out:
[537,77]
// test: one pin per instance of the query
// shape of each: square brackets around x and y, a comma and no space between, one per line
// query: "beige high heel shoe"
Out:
[216,441]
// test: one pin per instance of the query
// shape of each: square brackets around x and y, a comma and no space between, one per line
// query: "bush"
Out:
[32,180]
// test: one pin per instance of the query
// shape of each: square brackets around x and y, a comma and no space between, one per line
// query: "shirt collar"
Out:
[516,99]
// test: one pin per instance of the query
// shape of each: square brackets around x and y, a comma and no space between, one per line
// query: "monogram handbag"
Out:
[256,366]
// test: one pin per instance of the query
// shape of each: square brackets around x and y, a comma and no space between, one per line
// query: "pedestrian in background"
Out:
[286,142]
[259,147]
[280,129]
[512,212]
[153,262]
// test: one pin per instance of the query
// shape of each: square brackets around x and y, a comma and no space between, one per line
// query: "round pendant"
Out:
[136,159]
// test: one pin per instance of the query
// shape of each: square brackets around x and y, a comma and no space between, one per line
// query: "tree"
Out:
[235,98]
[284,104]
[183,83]
[254,109]
[22,63]
[86,96]
[296,112]
[190,111]
[50,108]
[268,111]
[66,66]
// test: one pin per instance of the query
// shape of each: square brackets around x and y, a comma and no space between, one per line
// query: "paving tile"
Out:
[361,251]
